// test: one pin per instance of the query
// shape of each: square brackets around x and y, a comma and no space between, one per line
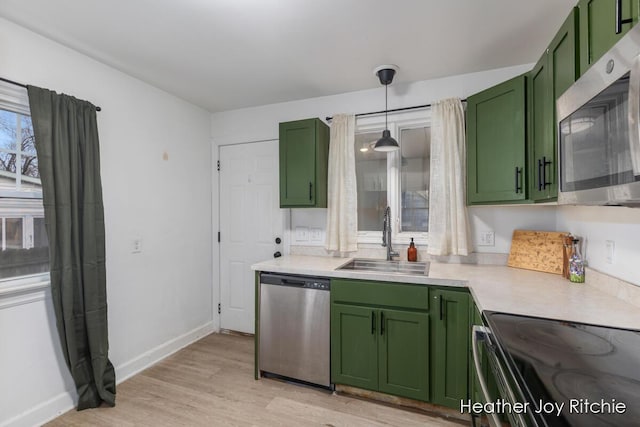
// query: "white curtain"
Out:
[448,230]
[342,203]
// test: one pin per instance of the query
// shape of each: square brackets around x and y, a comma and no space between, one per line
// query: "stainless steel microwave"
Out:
[599,130]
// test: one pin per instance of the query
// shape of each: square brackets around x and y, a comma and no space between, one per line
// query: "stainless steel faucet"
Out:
[386,234]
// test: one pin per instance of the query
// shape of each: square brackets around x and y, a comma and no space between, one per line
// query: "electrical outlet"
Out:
[316,234]
[487,238]
[136,245]
[610,250]
[302,234]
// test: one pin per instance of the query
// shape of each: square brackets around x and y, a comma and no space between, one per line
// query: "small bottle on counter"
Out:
[576,264]
[412,252]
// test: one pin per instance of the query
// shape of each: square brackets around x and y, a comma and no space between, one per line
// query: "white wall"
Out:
[595,225]
[261,123]
[159,299]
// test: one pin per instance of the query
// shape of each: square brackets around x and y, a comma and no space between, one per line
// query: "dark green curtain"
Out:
[66,139]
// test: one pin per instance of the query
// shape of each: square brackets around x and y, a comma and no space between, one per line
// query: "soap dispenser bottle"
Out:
[412,252]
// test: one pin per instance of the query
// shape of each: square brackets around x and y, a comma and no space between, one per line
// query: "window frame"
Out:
[397,122]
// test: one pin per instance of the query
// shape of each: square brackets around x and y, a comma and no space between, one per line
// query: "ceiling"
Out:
[229,54]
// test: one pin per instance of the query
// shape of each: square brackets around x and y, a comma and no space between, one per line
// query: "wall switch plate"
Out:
[610,250]
[136,245]
[487,238]
[316,234]
[302,234]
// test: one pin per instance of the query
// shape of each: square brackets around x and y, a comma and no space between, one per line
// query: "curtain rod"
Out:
[25,86]
[415,107]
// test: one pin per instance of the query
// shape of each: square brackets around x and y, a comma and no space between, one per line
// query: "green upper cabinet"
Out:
[551,76]
[598,27]
[540,128]
[450,329]
[304,152]
[496,144]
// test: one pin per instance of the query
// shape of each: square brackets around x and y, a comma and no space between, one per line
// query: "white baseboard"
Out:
[156,354]
[46,411]
[64,402]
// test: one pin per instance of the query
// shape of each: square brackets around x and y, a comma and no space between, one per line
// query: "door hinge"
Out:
[218,165]
[219,308]
[218,237]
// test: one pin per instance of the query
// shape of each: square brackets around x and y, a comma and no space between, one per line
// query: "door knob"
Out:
[278,240]
[277,254]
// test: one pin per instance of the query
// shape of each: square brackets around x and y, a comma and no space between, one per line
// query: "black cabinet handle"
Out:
[540,175]
[545,163]
[381,322]
[619,20]
[441,309]
[518,180]
[310,190]
[373,322]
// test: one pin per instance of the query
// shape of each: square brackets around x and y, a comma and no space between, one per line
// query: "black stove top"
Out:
[582,375]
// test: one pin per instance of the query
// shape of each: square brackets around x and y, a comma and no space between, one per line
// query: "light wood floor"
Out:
[210,383]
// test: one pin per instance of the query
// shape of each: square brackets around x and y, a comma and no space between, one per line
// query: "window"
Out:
[23,239]
[399,179]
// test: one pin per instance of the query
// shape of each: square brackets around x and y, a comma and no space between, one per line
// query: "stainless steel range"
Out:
[563,373]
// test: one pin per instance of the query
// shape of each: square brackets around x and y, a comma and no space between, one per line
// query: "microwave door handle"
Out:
[634,115]
[479,334]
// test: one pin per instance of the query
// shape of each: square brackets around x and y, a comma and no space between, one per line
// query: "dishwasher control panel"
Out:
[307,282]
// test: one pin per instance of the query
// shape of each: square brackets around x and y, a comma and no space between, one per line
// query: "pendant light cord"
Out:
[386,126]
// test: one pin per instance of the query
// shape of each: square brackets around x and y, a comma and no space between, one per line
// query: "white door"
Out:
[250,222]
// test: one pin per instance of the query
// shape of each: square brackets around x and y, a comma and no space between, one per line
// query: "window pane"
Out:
[414,180]
[23,241]
[371,177]
[15,260]
[8,130]
[27,138]
[39,234]
[14,233]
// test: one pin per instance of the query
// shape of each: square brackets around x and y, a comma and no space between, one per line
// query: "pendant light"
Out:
[385,74]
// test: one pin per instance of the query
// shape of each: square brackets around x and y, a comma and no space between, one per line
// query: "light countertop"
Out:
[493,287]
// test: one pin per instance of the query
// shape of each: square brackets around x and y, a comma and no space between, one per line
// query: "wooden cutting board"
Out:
[537,250]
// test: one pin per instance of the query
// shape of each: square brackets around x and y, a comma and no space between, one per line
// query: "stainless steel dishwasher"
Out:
[294,327]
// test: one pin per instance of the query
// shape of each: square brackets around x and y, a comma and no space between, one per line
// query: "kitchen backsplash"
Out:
[378,252]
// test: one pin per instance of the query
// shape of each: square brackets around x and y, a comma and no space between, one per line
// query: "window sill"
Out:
[23,290]
[372,237]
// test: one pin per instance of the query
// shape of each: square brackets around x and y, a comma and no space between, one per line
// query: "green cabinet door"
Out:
[556,70]
[598,27]
[354,349]
[540,128]
[450,348]
[496,144]
[403,349]
[304,149]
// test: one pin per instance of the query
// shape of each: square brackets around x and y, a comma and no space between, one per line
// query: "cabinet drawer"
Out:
[380,293]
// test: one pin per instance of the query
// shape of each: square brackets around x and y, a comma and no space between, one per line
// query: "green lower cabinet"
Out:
[380,350]
[403,354]
[450,347]
[354,347]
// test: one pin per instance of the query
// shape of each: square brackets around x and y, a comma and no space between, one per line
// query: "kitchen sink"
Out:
[383,266]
